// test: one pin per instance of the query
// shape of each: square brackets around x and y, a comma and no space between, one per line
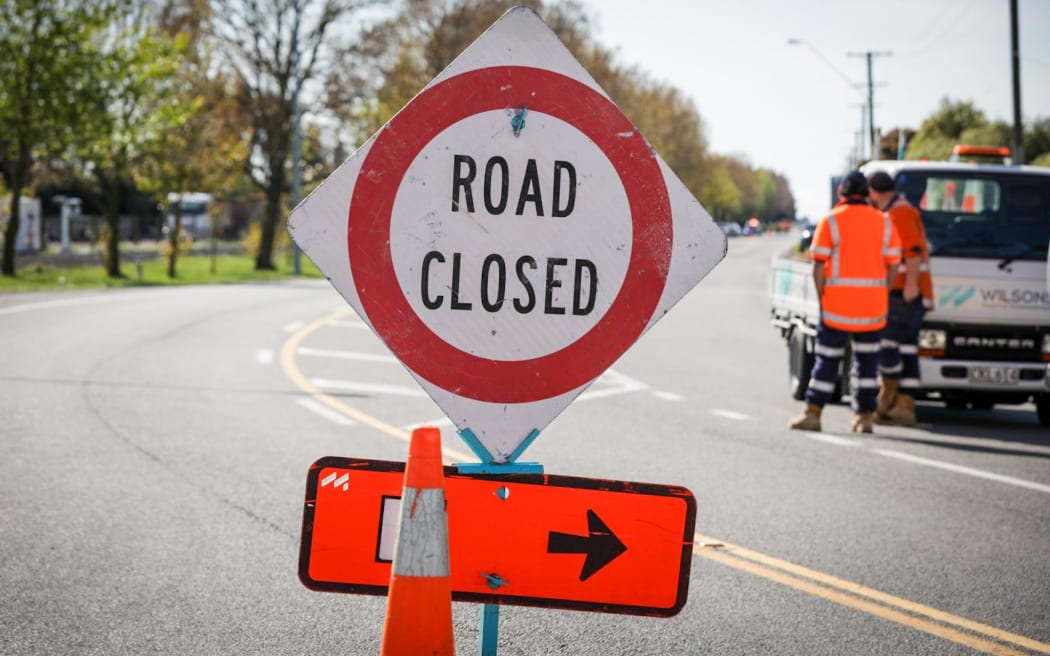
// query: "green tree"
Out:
[719,194]
[203,136]
[47,50]
[944,129]
[139,99]
[1037,142]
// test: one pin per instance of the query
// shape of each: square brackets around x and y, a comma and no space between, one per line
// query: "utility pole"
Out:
[1015,47]
[871,96]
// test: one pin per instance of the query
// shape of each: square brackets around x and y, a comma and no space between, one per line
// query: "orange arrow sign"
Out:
[522,539]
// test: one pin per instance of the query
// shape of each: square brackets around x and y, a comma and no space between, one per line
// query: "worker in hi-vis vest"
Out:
[855,251]
[911,296]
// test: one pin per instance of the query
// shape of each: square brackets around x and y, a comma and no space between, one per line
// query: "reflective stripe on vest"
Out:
[853,321]
[903,268]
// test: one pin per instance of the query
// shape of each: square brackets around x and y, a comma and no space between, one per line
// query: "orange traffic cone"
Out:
[419,605]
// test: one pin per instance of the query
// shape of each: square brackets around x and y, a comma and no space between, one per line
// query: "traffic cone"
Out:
[419,605]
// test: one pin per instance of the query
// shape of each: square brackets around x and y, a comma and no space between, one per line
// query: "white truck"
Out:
[987,339]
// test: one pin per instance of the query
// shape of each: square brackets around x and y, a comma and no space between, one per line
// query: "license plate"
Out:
[995,375]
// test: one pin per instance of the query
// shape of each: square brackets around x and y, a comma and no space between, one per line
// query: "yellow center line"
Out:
[299,380]
[819,584]
[846,593]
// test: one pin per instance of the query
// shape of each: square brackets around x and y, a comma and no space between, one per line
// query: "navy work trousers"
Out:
[900,343]
[831,346]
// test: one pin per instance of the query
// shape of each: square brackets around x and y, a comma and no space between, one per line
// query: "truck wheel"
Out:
[1042,408]
[800,365]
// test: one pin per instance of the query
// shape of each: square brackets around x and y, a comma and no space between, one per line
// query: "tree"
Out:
[1037,142]
[47,51]
[274,49]
[784,203]
[889,143]
[719,194]
[410,49]
[401,55]
[138,100]
[194,151]
[944,129]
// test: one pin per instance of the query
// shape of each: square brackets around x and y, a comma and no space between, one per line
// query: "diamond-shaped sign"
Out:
[508,235]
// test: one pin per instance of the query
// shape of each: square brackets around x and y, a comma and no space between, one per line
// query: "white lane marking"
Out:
[618,384]
[80,300]
[313,405]
[346,355]
[264,356]
[668,396]
[294,326]
[959,469]
[347,323]
[367,388]
[830,439]
[729,414]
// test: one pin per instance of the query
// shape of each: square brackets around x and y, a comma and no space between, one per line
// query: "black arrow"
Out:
[601,546]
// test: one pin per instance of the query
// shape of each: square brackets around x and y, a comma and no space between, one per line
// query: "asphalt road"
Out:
[155,446]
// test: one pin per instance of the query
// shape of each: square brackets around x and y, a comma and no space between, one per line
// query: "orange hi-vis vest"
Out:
[908,222]
[858,245]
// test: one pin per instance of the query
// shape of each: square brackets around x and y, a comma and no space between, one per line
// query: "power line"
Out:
[827,62]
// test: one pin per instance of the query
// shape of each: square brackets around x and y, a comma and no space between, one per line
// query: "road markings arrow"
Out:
[600,545]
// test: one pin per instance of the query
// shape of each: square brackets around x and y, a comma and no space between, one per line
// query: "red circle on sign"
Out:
[371,206]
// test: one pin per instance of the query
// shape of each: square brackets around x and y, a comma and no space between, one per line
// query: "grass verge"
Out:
[190,270]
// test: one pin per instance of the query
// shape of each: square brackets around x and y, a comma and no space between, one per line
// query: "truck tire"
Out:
[800,364]
[1042,408]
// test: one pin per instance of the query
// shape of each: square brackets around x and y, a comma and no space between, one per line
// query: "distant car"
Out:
[807,228]
[731,228]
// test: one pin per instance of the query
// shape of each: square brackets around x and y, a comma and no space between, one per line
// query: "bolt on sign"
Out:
[508,234]
[520,539]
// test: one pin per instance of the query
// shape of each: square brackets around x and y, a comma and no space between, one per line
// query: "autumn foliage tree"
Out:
[401,55]
[274,49]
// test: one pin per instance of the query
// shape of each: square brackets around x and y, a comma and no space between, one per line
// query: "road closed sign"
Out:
[508,234]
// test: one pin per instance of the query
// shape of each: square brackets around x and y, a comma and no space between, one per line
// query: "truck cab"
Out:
[987,338]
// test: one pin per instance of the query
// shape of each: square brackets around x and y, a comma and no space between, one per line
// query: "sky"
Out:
[797,109]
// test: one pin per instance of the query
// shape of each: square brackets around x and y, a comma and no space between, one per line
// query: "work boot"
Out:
[886,398]
[861,422]
[808,420]
[903,411]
